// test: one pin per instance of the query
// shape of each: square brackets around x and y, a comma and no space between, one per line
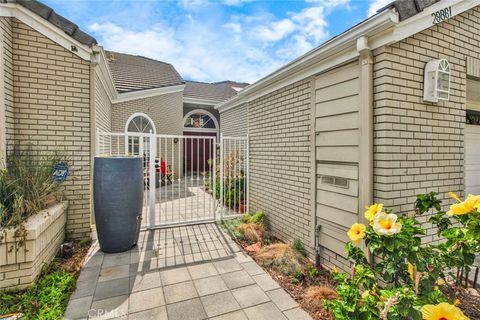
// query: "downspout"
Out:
[93,125]
[365,169]
[3,117]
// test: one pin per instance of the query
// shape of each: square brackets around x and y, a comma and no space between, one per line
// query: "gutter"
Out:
[342,44]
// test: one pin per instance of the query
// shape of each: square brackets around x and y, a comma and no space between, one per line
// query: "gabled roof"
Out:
[219,91]
[47,13]
[133,73]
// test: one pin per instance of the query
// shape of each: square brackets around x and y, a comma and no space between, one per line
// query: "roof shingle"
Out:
[133,73]
[218,91]
[57,20]
[408,8]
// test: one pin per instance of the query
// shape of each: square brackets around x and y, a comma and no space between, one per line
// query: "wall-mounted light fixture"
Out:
[436,84]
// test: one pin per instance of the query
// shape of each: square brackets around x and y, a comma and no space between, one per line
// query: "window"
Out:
[199,120]
[139,123]
[473,117]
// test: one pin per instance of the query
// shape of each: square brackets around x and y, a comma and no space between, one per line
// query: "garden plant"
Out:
[398,277]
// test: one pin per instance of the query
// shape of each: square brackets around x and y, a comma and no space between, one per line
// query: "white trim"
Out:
[140,114]
[46,28]
[202,111]
[206,102]
[185,129]
[140,94]
[102,70]
[382,29]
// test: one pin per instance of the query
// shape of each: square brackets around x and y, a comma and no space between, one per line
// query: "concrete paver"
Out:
[217,282]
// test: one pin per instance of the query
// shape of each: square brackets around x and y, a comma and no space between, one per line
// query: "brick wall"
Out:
[280,164]
[103,107]
[419,146]
[235,121]
[51,98]
[165,110]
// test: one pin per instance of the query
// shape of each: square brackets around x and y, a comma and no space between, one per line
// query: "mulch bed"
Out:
[469,299]
[297,291]
[74,263]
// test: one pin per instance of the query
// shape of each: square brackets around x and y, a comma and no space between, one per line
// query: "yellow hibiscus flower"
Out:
[471,204]
[386,224]
[442,311]
[411,271]
[357,232]
[372,211]
[365,294]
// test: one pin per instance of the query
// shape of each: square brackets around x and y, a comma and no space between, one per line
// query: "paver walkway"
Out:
[188,273]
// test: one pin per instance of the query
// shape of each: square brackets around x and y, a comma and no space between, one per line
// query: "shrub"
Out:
[252,232]
[300,247]
[313,272]
[315,295]
[407,270]
[281,257]
[27,186]
[258,217]
[231,228]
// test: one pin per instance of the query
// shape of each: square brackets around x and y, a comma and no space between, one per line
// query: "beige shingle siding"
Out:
[103,107]
[166,111]
[337,106]
[234,122]
[419,146]
[280,164]
[6,25]
[51,93]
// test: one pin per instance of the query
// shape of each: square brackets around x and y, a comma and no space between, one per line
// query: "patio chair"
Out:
[166,172]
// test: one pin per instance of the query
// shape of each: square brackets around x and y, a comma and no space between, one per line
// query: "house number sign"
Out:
[442,15]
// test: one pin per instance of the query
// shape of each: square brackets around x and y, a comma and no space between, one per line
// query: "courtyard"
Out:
[188,272]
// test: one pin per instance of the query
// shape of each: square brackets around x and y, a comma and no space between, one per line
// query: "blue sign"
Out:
[60,172]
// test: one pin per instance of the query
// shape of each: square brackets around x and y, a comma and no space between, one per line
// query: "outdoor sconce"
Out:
[436,84]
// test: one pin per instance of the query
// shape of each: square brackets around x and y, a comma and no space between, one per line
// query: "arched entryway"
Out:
[139,123]
[199,123]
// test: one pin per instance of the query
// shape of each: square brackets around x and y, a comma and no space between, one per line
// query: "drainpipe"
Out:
[365,169]
[3,117]
[94,57]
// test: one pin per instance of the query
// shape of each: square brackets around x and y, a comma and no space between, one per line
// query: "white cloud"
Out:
[234,27]
[188,4]
[235,2]
[312,23]
[376,5]
[275,31]
[243,48]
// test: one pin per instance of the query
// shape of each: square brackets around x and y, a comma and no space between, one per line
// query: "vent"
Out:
[335,181]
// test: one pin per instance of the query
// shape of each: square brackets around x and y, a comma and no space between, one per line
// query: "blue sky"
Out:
[213,40]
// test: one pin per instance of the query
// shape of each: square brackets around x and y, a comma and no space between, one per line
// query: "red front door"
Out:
[198,151]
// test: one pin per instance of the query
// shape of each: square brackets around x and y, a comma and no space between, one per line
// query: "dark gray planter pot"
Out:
[118,201]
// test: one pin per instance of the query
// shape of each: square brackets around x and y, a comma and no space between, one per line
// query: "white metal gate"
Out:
[195,179]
